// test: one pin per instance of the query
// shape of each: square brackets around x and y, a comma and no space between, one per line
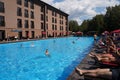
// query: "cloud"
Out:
[82,9]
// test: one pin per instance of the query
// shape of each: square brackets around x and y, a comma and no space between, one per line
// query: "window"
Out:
[46,18]
[2,21]
[19,2]
[32,24]
[55,14]
[2,9]
[42,17]
[60,21]
[19,23]
[66,23]
[46,10]
[26,24]
[52,13]
[26,13]
[52,27]
[47,26]
[55,20]
[33,34]
[26,3]
[52,20]
[60,16]
[31,4]
[27,34]
[65,18]
[42,9]
[32,14]
[19,11]
[42,26]
[55,27]
[60,27]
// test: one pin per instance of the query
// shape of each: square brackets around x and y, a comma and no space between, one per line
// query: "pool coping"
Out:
[24,40]
[86,63]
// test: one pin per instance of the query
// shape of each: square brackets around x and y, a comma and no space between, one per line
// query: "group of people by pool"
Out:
[108,58]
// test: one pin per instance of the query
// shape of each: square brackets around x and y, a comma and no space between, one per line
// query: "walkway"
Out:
[86,63]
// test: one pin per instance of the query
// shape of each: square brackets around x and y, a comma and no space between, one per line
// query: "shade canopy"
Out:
[116,31]
[15,30]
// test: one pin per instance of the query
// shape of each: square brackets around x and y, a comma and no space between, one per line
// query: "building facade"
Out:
[31,19]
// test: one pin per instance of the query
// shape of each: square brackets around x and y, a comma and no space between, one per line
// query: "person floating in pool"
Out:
[47,53]
[21,45]
[73,42]
[32,44]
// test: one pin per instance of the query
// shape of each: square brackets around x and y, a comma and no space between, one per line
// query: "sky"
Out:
[81,10]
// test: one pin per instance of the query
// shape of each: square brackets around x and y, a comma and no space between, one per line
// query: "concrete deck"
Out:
[86,63]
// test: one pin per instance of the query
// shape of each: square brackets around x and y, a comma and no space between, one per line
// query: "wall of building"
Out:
[11,20]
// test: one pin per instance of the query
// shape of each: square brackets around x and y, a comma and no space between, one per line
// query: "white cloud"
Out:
[82,9]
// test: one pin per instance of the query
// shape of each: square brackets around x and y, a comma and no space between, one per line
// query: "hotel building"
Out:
[31,19]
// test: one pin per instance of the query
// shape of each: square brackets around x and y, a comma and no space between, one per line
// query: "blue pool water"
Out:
[27,60]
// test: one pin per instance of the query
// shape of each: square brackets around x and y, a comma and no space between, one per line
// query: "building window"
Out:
[26,24]
[2,21]
[31,4]
[42,17]
[52,13]
[27,34]
[26,13]
[52,27]
[60,21]
[42,9]
[2,9]
[19,2]
[66,22]
[60,16]
[42,26]
[52,20]
[47,26]
[46,18]
[19,23]
[19,11]
[32,24]
[60,27]
[26,3]
[46,10]
[55,14]
[32,14]
[33,34]
[55,27]
[55,20]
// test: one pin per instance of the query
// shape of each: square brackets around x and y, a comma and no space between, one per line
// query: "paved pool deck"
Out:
[86,63]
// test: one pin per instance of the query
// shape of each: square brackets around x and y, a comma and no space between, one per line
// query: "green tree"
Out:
[112,18]
[73,26]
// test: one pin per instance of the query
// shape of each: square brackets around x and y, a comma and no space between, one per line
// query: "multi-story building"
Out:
[31,19]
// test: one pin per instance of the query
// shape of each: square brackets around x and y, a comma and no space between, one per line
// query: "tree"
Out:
[73,26]
[112,18]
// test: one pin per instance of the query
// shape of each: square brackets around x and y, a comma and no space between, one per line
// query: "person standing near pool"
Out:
[95,38]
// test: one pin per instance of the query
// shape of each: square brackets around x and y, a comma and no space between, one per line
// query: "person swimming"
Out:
[47,53]
[73,42]
[32,44]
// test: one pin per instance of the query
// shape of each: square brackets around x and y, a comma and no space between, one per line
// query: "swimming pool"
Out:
[27,60]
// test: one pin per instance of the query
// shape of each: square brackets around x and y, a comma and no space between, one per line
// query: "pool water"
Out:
[27,60]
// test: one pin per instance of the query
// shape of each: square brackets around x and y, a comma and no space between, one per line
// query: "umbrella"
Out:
[116,31]
[106,32]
